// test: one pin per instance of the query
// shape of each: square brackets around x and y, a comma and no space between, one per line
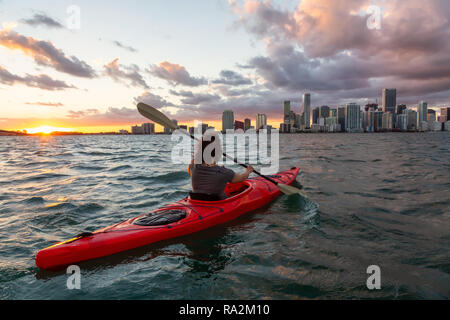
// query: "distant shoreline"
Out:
[4,133]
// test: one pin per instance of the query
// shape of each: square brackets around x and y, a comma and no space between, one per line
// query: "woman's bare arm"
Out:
[240,177]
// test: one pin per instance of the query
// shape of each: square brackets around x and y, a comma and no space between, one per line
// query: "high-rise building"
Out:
[227,120]
[202,127]
[292,118]
[445,115]
[402,121]
[239,125]
[137,129]
[389,100]
[286,111]
[341,117]
[386,122]
[422,113]
[169,131]
[306,102]
[261,121]
[373,120]
[412,119]
[431,115]
[399,109]
[148,128]
[315,115]
[247,124]
[371,106]
[298,121]
[353,117]
[324,112]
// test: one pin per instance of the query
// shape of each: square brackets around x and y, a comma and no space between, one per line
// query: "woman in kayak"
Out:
[208,179]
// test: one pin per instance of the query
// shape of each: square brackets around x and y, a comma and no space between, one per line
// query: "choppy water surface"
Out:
[376,199]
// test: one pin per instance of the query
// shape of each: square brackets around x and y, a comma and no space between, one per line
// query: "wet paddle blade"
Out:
[155,115]
[289,190]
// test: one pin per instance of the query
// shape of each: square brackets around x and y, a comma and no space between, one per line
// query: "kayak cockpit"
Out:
[232,190]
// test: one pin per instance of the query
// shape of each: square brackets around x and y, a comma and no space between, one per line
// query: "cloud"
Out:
[112,116]
[232,78]
[153,100]
[120,45]
[41,19]
[175,74]
[191,98]
[41,81]
[83,113]
[46,104]
[46,54]
[325,46]
[119,72]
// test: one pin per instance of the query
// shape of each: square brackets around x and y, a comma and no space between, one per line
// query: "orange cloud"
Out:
[46,54]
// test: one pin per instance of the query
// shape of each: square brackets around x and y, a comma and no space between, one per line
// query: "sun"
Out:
[47,130]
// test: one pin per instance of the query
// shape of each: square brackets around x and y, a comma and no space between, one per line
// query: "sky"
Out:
[84,65]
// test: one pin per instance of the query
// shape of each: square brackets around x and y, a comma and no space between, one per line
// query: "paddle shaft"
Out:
[235,160]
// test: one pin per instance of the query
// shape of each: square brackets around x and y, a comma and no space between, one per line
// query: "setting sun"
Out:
[47,130]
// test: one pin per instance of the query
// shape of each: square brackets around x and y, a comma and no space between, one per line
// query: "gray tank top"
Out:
[210,180]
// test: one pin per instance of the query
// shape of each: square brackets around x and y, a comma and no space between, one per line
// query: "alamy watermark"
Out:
[250,147]
[74,280]
[374,19]
[374,280]
[74,17]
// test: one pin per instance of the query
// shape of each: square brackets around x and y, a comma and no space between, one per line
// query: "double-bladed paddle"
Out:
[157,116]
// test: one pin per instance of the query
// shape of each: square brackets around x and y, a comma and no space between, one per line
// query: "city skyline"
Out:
[347,118]
[77,68]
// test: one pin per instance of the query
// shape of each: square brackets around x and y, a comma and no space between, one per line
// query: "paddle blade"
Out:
[155,115]
[289,190]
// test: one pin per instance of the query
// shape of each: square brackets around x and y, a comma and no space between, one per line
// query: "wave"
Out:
[85,167]
[118,168]
[34,200]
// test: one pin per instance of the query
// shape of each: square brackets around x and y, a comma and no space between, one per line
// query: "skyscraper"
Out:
[287,111]
[422,113]
[148,128]
[389,100]
[445,115]
[227,120]
[352,117]
[247,124]
[315,115]
[399,109]
[261,121]
[324,112]
[307,110]
[341,117]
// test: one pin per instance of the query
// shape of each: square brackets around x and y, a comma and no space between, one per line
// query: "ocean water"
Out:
[375,199]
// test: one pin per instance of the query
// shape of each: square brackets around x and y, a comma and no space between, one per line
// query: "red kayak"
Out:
[174,220]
